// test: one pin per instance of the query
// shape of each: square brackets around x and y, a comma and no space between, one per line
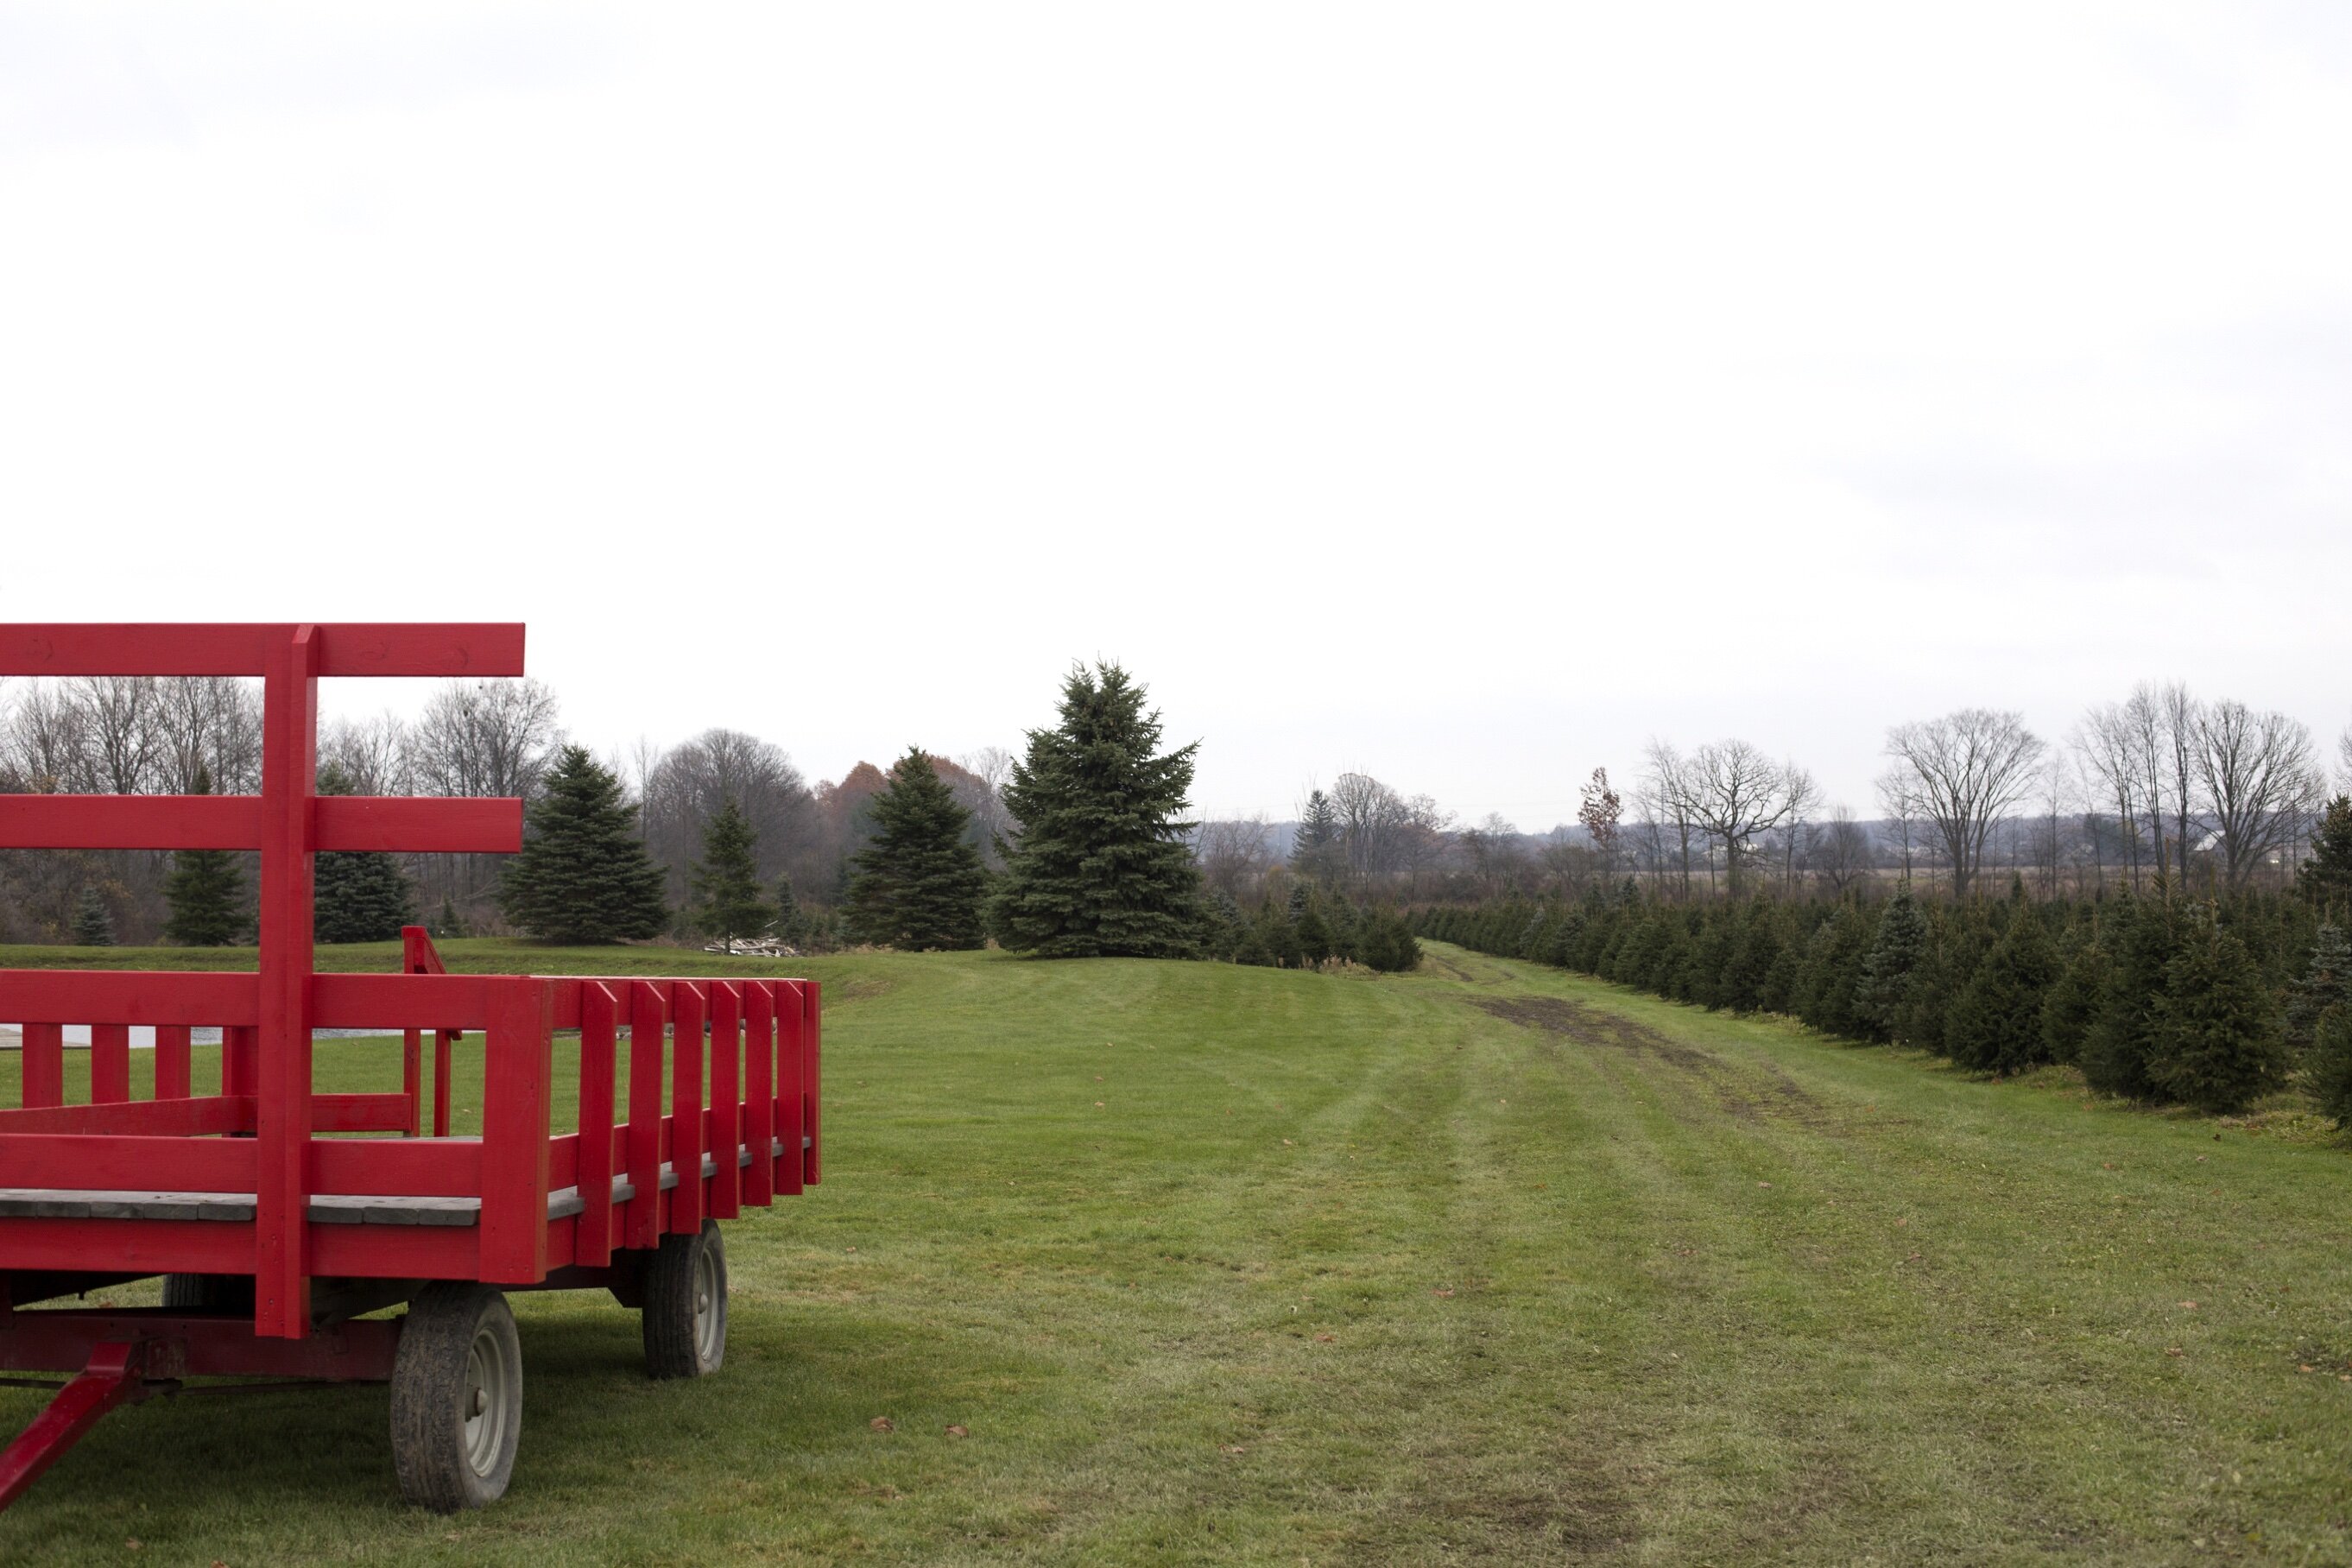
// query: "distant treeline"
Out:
[2156,996]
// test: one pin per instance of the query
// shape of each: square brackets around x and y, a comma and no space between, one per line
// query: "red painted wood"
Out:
[813,998]
[127,997]
[346,649]
[519,1057]
[148,1245]
[359,1114]
[562,1161]
[420,825]
[443,1040]
[130,821]
[690,1006]
[111,1377]
[398,1251]
[359,1351]
[241,1060]
[791,1029]
[648,1007]
[44,1064]
[726,1119]
[138,1118]
[600,1014]
[101,1163]
[759,1089]
[396,1167]
[412,1082]
[290,746]
[172,1061]
[418,956]
[393,1002]
[109,1063]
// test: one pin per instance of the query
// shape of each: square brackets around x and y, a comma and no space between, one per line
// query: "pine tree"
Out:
[1314,943]
[2327,878]
[1995,1021]
[2116,1050]
[2214,1040]
[359,895]
[790,926]
[919,882]
[583,875]
[1101,868]
[2325,981]
[726,880]
[206,891]
[1315,853]
[1386,945]
[93,924]
[2331,1063]
[1892,965]
[2069,1009]
[1831,970]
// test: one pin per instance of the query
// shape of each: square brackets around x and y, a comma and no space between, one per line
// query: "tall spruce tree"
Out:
[93,922]
[2116,1048]
[2069,1009]
[2214,1038]
[1892,966]
[583,875]
[919,882]
[1100,869]
[359,895]
[206,891]
[1996,1020]
[2327,878]
[2325,981]
[2331,1063]
[1316,850]
[726,880]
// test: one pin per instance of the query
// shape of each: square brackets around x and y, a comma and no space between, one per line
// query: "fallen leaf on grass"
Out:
[959,1432]
[1289,1144]
[883,1424]
[2306,1366]
[1231,1448]
[1763,1183]
[1325,1339]
[2174,1350]
[2190,1305]
[1442,1290]
[1098,1105]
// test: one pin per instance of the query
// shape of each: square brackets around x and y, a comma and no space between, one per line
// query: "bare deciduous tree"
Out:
[1737,791]
[1234,852]
[1967,770]
[2260,778]
[1840,852]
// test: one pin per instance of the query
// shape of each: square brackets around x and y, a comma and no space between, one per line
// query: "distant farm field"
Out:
[1481,1263]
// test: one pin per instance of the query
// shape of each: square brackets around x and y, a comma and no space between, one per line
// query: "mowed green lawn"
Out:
[1481,1263]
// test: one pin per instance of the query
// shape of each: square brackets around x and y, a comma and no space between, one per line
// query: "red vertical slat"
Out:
[172,1061]
[687,1010]
[792,1029]
[648,1008]
[45,1065]
[599,1023]
[240,1059]
[442,1040]
[109,1063]
[412,1080]
[812,994]
[725,1111]
[289,726]
[759,1089]
[518,1050]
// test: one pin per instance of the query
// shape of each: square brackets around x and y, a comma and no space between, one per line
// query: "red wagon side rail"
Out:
[715,1109]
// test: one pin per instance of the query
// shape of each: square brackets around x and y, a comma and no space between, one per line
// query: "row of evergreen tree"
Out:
[1308,928]
[2154,997]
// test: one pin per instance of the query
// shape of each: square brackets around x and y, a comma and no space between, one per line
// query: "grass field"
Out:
[1484,1262]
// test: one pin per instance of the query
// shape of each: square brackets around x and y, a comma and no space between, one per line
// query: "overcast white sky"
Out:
[1460,392]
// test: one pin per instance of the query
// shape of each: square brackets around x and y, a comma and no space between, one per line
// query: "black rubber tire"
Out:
[445,1458]
[685,1314]
[209,1292]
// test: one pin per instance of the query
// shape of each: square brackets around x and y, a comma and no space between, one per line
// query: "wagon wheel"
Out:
[209,1292]
[456,1397]
[685,1315]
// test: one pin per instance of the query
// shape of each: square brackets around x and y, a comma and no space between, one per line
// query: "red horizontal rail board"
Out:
[359,1112]
[396,1002]
[94,1162]
[396,1167]
[203,999]
[344,649]
[418,825]
[137,1119]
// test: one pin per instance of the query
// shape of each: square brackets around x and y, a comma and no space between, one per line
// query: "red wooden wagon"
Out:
[275,1241]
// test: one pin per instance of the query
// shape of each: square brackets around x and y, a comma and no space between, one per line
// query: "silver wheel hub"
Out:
[486,1405]
[708,1323]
